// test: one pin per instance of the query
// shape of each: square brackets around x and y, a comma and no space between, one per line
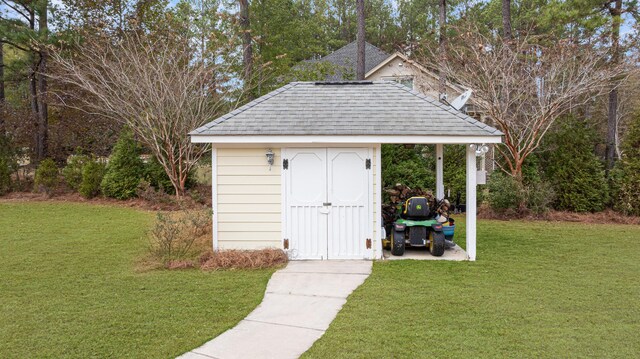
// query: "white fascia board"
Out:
[301,139]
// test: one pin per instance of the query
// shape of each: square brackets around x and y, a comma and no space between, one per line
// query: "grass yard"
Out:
[68,288]
[538,289]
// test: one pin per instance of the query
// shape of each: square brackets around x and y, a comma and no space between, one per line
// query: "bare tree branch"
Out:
[524,85]
[152,85]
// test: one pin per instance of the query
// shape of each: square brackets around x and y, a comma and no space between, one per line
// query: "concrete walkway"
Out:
[300,302]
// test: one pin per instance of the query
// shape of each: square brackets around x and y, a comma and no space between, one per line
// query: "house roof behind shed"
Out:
[345,108]
[345,60]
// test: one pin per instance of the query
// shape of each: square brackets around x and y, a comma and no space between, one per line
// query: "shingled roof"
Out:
[345,60]
[345,108]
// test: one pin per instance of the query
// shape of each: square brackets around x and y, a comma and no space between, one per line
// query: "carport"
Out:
[299,168]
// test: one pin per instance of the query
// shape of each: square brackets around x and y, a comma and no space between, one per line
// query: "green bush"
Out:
[125,168]
[92,174]
[407,165]
[626,175]
[574,171]
[72,172]
[539,196]
[506,195]
[8,164]
[46,178]
[5,176]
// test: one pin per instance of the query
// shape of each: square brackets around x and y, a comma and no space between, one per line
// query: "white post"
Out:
[471,201]
[214,196]
[439,171]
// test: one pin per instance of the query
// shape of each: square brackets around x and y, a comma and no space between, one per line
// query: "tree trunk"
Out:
[506,19]
[2,96]
[43,113]
[442,50]
[247,49]
[612,116]
[360,66]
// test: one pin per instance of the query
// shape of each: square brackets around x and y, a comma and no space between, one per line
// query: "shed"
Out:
[320,195]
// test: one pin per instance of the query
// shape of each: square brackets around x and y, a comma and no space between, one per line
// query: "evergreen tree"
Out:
[627,172]
[125,168]
[574,171]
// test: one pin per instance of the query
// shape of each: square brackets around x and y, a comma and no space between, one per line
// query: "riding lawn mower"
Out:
[421,225]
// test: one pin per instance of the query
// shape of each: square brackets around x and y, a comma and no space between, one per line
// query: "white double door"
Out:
[327,202]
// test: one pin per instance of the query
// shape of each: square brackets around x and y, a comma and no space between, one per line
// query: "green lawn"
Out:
[68,288]
[538,289]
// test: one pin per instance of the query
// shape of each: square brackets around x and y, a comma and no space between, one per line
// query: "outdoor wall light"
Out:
[481,150]
[270,158]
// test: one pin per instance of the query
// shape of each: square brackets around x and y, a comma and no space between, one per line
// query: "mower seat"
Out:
[416,208]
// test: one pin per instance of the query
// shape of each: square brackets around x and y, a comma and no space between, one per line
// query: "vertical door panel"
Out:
[306,191]
[348,193]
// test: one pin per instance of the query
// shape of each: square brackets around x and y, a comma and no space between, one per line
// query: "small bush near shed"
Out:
[92,175]
[239,259]
[46,178]
[510,198]
[174,235]
[506,195]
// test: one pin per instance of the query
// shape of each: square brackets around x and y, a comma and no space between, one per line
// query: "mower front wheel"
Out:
[436,247]
[397,243]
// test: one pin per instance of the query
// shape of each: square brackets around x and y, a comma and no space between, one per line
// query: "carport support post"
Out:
[471,201]
[439,171]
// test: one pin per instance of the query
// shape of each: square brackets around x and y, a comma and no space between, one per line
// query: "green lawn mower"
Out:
[418,225]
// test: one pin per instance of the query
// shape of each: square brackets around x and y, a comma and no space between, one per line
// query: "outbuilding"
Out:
[300,167]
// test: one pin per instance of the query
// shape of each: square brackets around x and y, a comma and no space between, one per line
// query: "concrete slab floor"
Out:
[422,253]
[300,302]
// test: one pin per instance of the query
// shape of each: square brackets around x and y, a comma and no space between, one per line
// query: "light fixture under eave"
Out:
[481,149]
[270,158]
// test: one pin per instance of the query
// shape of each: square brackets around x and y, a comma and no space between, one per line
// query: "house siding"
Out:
[248,196]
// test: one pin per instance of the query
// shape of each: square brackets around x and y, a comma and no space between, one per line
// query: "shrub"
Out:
[158,178]
[506,195]
[626,174]
[125,168]
[8,164]
[174,234]
[146,192]
[46,178]
[539,196]
[406,165]
[72,172]
[574,171]
[5,176]
[92,174]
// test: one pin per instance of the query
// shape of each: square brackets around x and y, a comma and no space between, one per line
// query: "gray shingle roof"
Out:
[345,59]
[348,108]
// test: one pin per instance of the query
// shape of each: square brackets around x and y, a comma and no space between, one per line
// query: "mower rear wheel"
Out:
[397,243]
[436,247]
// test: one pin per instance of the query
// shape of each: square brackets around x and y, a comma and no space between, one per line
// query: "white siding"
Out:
[249,203]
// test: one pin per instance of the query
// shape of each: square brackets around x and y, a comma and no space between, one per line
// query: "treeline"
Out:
[74,73]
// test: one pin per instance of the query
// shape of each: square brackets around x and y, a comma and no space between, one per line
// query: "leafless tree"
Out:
[523,86]
[154,86]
